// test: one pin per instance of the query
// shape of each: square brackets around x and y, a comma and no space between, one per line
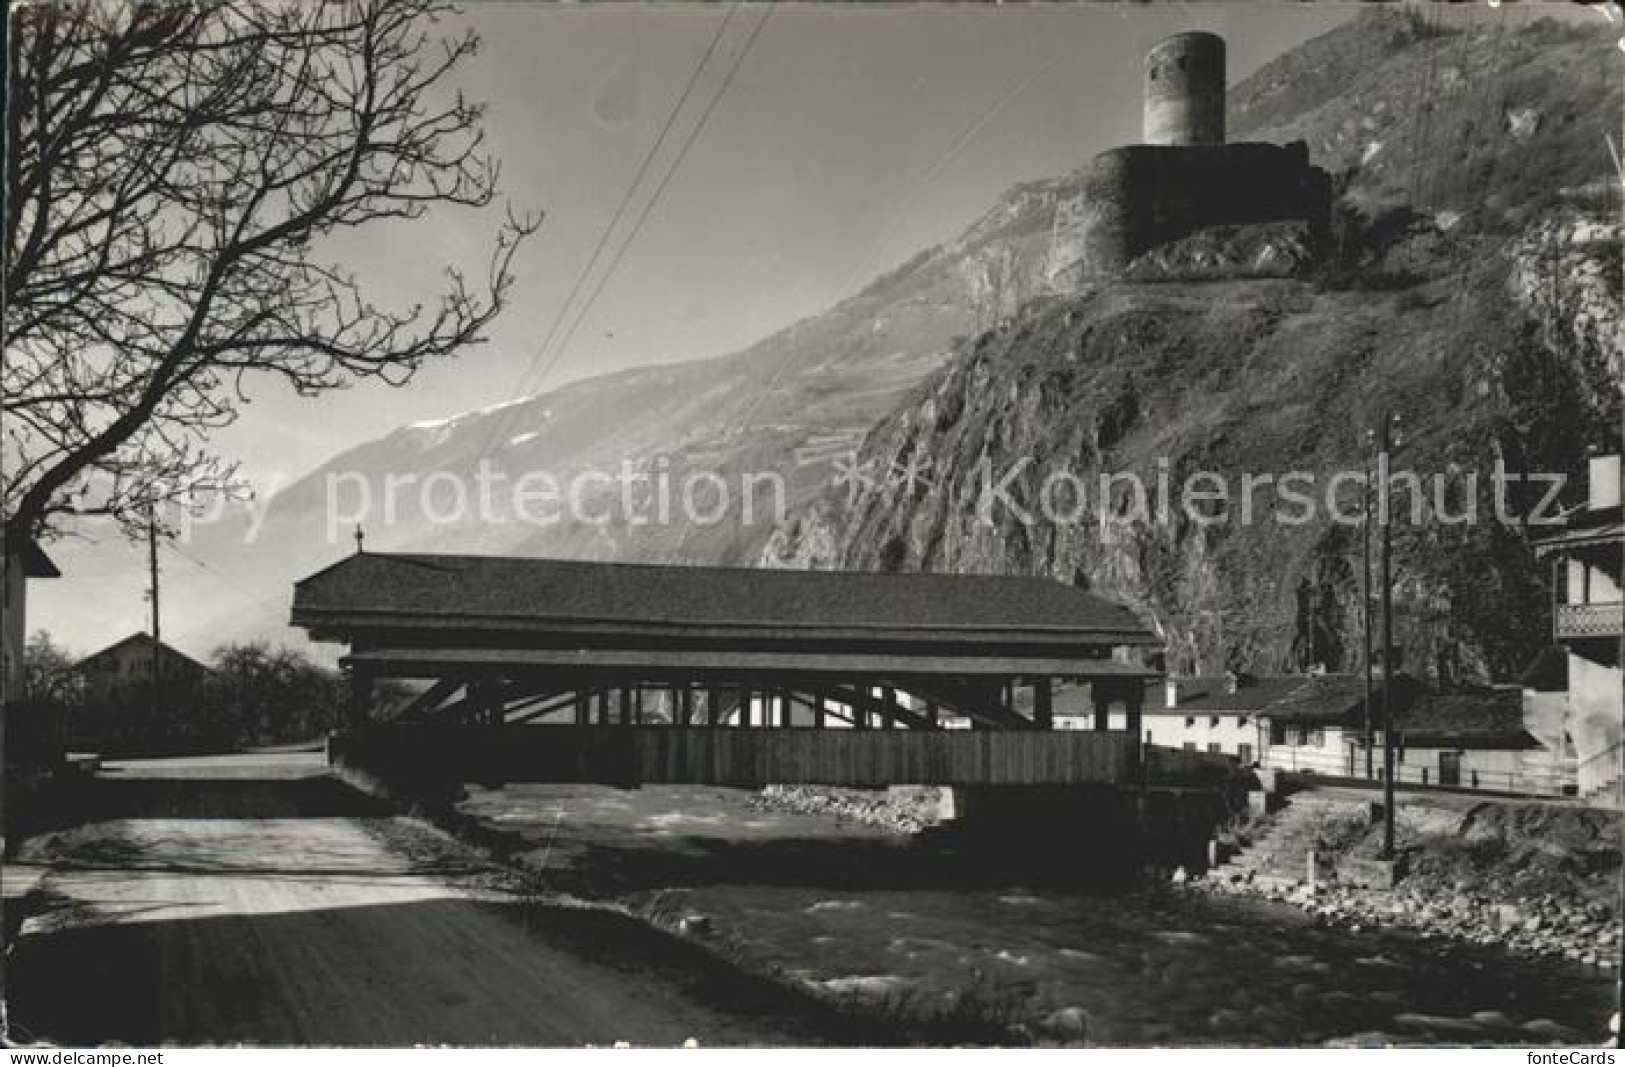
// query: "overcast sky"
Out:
[851,138]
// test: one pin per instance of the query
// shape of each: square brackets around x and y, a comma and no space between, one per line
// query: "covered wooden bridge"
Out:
[553,670]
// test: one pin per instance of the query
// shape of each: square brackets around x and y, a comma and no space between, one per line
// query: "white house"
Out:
[1588,619]
[1215,713]
[1469,738]
[22,562]
[1472,739]
[1545,685]
[1319,727]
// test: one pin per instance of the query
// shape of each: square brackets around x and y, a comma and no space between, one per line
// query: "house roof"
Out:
[137,639]
[1483,717]
[414,591]
[1206,695]
[1491,717]
[1548,672]
[1332,698]
[1582,527]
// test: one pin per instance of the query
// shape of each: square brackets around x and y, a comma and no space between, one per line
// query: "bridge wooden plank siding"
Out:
[634,674]
[660,755]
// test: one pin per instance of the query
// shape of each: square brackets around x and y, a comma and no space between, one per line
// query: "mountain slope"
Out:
[1237,380]
[1499,121]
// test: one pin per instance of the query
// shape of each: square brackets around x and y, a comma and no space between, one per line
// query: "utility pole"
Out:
[152,592]
[1365,616]
[1385,519]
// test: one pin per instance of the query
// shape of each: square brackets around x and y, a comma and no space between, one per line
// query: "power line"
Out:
[648,209]
[654,201]
[502,424]
[956,146]
[237,587]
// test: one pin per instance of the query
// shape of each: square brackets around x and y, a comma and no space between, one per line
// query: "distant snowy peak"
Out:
[431,433]
[453,420]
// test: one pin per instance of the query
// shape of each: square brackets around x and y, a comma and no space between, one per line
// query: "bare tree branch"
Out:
[172,175]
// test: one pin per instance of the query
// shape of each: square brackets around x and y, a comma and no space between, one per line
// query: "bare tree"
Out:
[173,173]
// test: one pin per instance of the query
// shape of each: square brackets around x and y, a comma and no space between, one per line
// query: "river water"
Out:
[872,915]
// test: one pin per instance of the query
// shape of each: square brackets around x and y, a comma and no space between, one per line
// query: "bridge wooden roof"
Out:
[436,662]
[583,603]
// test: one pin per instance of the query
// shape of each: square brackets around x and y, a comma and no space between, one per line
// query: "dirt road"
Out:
[302,927]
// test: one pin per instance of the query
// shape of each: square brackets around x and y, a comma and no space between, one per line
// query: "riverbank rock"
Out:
[1066,1024]
[899,810]
[694,925]
[1552,1031]
[1537,880]
[870,987]
[1439,1024]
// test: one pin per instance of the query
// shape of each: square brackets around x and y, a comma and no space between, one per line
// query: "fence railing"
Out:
[1526,781]
[1601,769]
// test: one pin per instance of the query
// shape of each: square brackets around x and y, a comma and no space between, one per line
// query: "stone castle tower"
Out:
[1184,90]
[1185,176]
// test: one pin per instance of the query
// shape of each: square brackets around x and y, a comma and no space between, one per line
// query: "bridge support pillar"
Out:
[1044,704]
[1136,730]
[484,702]
[360,701]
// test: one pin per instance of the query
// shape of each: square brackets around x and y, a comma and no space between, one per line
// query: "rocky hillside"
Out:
[1496,124]
[1486,315]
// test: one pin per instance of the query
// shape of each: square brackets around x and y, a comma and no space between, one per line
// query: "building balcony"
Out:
[1590,620]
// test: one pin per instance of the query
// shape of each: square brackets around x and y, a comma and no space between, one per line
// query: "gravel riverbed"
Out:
[1583,933]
